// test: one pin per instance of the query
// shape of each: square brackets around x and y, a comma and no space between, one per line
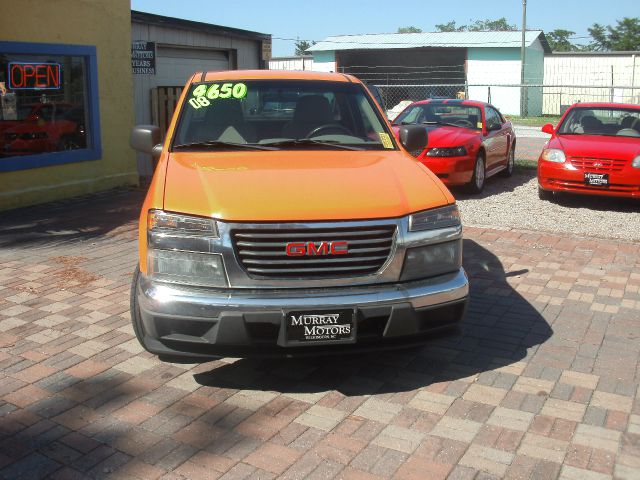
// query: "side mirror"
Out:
[548,128]
[146,139]
[413,137]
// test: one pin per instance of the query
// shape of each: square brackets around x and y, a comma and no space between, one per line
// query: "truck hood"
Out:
[300,185]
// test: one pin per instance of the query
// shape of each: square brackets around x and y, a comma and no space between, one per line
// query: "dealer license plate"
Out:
[324,326]
[596,179]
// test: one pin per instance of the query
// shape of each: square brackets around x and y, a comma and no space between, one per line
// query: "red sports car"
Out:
[594,150]
[46,128]
[469,141]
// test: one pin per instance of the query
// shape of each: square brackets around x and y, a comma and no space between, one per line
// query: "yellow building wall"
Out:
[107,25]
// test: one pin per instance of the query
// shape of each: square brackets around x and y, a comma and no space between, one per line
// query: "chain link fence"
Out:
[516,99]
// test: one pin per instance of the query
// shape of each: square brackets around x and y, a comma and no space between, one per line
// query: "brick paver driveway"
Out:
[542,381]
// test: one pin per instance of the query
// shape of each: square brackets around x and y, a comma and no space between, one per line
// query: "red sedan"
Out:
[469,141]
[594,150]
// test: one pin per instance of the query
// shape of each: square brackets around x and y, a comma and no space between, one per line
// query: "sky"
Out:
[315,20]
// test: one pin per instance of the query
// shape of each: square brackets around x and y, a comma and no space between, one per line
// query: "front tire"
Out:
[134,309]
[511,163]
[479,175]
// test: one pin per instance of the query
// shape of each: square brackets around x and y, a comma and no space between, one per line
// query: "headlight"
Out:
[636,162]
[158,220]
[432,260]
[553,155]
[447,152]
[188,268]
[179,250]
[443,217]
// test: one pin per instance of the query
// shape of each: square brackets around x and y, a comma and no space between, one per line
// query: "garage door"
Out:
[175,65]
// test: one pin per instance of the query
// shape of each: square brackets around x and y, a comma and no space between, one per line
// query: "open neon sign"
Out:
[34,76]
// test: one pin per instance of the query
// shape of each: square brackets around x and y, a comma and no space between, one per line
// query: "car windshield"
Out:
[438,113]
[283,114]
[609,121]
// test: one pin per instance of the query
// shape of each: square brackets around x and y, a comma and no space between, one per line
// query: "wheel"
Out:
[545,194]
[511,163]
[476,185]
[335,126]
[134,309]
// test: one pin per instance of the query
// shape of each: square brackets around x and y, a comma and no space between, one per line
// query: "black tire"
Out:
[479,178]
[134,310]
[511,163]
[545,194]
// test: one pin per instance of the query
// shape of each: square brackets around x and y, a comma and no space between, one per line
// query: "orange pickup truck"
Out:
[285,218]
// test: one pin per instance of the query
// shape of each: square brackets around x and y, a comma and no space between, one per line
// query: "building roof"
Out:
[378,41]
[172,22]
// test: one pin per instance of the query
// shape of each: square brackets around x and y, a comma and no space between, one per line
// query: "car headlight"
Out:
[443,217]
[158,220]
[187,268]
[636,162]
[180,250]
[553,155]
[432,260]
[447,152]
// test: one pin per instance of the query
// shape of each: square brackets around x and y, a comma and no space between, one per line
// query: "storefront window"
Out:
[46,105]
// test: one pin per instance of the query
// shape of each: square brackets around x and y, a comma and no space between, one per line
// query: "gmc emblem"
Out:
[317,248]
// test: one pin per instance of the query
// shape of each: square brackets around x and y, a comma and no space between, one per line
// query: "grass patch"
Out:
[534,121]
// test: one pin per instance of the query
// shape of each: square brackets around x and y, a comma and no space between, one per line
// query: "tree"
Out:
[625,36]
[450,27]
[302,46]
[500,25]
[559,40]
[409,30]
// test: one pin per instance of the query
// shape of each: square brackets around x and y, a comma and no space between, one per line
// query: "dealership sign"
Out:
[34,76]
[143,58]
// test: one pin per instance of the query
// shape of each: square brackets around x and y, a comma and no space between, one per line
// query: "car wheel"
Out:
[135,309]
[545,194]
[476,185]
[511,163]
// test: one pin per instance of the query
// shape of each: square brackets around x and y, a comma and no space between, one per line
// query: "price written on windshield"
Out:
[204,94]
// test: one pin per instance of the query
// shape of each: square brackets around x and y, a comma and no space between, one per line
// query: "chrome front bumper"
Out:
[200,322]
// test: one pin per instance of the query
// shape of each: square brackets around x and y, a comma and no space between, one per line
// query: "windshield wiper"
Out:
[213,144]
[442,123]
[310,142]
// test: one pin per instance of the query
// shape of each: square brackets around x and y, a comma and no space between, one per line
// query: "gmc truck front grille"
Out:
[313,252]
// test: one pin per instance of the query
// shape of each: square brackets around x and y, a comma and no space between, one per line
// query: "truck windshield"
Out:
[282,114]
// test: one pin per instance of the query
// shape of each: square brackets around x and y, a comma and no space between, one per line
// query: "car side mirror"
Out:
[548,128]
[146,139]
[413,137]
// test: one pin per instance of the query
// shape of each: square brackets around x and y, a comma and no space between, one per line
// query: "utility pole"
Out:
[523,55]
